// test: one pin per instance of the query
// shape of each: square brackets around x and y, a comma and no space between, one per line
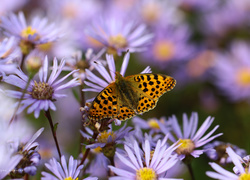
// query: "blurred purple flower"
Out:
[40,94]
[221,20]
[76,62]
[119,34]
[232,72]
[170,44]
[37,32]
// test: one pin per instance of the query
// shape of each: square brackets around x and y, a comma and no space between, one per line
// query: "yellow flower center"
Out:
[70,178]
[187,146]
[118,41]
[98,149]
[146,174]
[29,31]
[163,50]
[153,124]
[45,47]
[103,137]
[243,77]
[244,177]
[42,90]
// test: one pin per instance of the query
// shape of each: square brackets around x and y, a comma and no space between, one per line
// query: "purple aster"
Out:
[62,170]
[108,137]
[191,138]
[31,157]
[146,163]
[31,34]
[97,84]
[76,62]
[232,72]
[170,44]
[40,95]
[119,34]
[241,172]
[216,151]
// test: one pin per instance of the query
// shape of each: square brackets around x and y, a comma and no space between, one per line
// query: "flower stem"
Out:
[190,170]
[94,136]
[53,130]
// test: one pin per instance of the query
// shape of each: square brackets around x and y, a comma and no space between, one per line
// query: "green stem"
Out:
[190,170]
[53,130]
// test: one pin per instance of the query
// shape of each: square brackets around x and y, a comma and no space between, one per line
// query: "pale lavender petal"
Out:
[235,159]
[92,77]
[125,64]
[111,65]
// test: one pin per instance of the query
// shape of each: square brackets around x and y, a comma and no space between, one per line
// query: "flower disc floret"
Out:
[42,90]
[186,147]
[146,174]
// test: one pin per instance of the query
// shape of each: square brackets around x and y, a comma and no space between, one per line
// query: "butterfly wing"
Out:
[105,104]
[150,87]
[125,113]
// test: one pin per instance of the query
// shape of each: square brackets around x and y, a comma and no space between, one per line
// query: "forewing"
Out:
[105,104]
[152,86]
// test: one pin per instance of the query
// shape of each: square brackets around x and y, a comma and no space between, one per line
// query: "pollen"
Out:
[187,147]
[153,124]
[118,41]
[42,90]
[243,77]
[244,176]
[164,50]
[70,178]
[146,174]
[103,137]
[29,31]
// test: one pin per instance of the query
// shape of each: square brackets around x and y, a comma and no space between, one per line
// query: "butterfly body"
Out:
[129,96]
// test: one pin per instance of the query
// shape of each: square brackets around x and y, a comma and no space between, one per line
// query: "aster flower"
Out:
[170,44]
[18,151]
[242,172]
[232,69]
[76,62]
[119,34]
[97,84]
[36,32]
[107,139]
[31,157]
[191,138]
[216,151]
[40,95]
[62,170]
[146,163]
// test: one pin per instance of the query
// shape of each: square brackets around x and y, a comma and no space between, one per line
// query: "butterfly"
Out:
[129,96]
